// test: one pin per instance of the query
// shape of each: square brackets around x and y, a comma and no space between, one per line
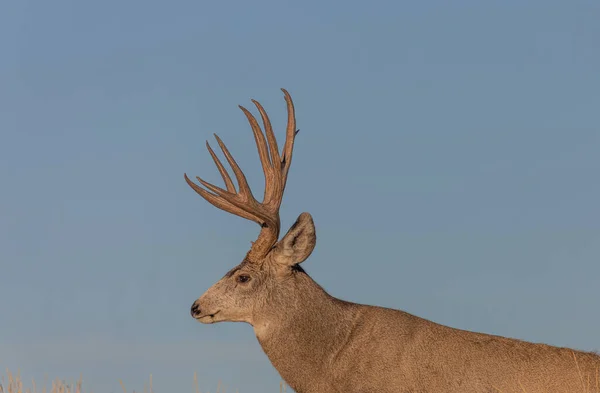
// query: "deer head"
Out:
[270,265]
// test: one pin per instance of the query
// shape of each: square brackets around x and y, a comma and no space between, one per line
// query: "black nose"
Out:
[195,310]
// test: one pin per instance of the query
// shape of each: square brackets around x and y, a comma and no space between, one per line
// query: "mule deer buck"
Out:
[319,343]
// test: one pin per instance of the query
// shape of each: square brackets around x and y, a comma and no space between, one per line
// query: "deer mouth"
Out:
[208,318]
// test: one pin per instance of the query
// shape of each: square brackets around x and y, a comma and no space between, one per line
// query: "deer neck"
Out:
[302,329]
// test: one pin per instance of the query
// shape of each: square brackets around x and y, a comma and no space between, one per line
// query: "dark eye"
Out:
[243,278]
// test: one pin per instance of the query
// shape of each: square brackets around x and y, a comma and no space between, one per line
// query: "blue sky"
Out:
[448,154]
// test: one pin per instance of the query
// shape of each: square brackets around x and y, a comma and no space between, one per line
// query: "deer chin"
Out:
[209,318]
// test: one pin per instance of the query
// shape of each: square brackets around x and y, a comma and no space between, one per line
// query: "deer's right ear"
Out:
[298,243]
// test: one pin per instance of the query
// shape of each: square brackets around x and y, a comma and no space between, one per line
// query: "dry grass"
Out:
[13,383]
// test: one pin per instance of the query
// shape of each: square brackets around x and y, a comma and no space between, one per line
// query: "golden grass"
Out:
[13,383]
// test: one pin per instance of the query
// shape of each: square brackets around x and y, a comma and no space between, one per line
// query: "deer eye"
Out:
[242,278]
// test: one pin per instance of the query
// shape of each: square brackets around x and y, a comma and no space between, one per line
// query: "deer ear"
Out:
[298,243]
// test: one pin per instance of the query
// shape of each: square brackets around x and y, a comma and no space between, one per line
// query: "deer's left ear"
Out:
[298,243]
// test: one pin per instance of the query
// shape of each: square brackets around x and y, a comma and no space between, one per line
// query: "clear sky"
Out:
[448,154]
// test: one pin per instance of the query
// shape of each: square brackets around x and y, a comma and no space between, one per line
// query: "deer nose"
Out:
[195,310]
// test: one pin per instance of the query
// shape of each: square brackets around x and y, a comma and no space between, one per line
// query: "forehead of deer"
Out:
[245,265]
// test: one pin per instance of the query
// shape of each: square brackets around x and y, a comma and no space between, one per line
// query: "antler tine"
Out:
[219,202]
[290,135]
[275,167]
[239,175]
[273,148]
[261,143]
[222,170]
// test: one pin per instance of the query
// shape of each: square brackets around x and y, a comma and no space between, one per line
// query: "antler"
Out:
[275,167]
